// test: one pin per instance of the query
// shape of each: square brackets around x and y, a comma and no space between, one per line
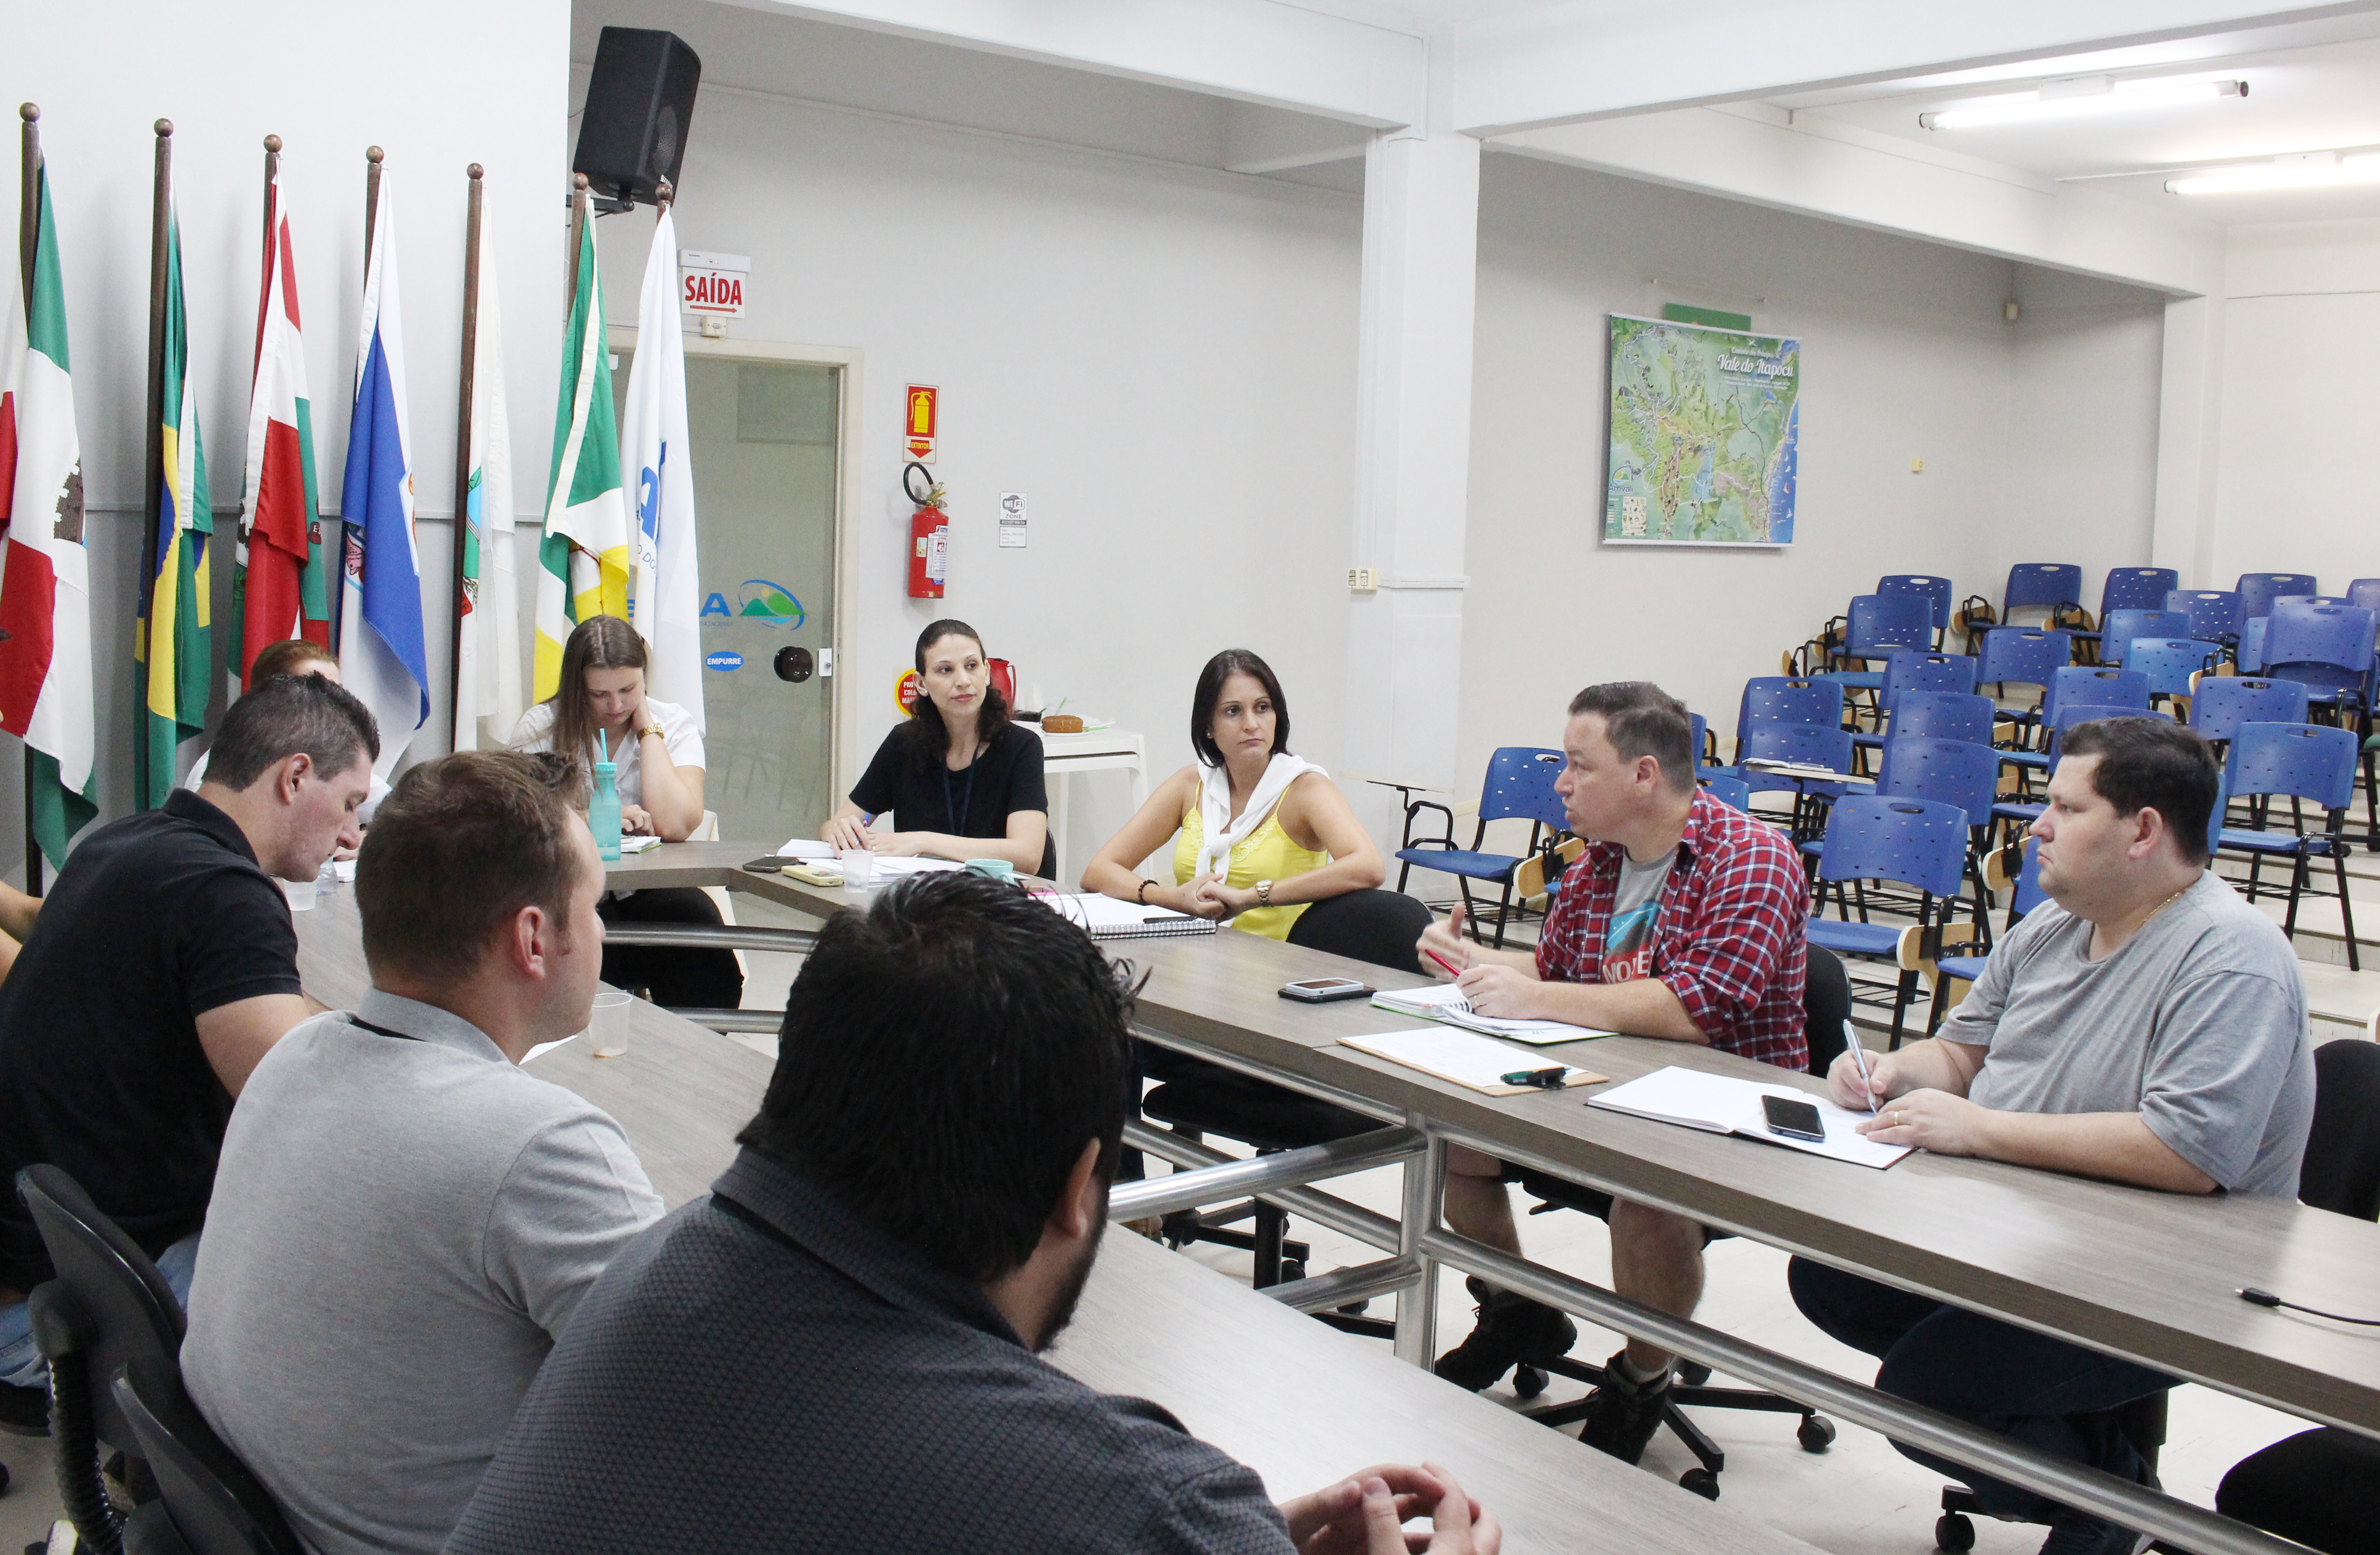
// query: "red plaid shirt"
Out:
[1727,936]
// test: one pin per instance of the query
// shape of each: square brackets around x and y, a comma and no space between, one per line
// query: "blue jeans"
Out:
[21,1364]
[2044,1392]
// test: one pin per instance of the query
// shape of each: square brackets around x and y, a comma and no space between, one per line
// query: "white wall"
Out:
[439,86]
[1162,358]
[2039,439]
[2302,330]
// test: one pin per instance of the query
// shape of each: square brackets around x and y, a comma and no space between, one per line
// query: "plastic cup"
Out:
[858,866]
[609,1025]
[301,894]
[992,868]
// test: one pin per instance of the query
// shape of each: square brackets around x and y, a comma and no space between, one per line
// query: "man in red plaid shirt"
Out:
[1684,922]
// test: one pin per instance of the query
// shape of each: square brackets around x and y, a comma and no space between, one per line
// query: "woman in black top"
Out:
[958,779]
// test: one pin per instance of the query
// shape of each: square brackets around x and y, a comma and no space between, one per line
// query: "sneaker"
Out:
[24,1411]
[1511,1329]
[1622,1416]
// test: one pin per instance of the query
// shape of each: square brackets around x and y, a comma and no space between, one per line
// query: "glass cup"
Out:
[609,1025]
[858,866]
[301,894]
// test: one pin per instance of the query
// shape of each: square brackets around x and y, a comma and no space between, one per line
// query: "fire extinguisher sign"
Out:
[921,422]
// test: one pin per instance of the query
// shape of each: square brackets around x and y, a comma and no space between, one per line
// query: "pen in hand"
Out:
[1859,1057]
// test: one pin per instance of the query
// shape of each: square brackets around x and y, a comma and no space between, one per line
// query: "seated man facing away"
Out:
[1683,920]
[162,969]
[2145,1025]
[835,1348]
[404,1220]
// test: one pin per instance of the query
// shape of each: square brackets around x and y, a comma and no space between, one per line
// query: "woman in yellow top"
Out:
[1257,832]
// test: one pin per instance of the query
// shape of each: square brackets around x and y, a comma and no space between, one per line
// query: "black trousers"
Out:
[681,978]
[2053,1396]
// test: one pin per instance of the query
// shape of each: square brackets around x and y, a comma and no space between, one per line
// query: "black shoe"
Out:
[1511,1329]
[24,1411]
[1622,1416]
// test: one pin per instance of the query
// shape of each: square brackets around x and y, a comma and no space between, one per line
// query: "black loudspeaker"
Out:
[638,103]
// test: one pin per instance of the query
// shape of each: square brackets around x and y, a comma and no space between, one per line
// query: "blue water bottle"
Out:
[604,809]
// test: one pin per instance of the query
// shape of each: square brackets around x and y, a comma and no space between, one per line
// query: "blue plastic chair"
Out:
[2042,585]
[1908,672]
[1520,787]
[2028,655]
[1728,790]
[2364,593]
[1962,772]
[2025,811]
[2249,656]
[1944,715]
[2099,684]
[1912,843]
[2223,702]
[2118,628]
[2170,663]
[2296,761]
[2214,612]
[1814,745]
[1783,699]
[2327,647]
[2136,588]
[1930,586]
[2026,896]
[1878,626]
[1697,728]
[2259,590]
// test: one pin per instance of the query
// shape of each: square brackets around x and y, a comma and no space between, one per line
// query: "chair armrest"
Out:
[1529,880]
[1409,839]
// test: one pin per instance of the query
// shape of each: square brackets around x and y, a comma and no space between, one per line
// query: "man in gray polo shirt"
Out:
[2146,1025]
[403,1220]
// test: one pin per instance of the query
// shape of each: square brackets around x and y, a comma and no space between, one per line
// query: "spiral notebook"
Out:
[1108,918]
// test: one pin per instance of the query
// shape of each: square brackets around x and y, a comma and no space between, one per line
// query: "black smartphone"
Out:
[1795,1120]
[1325,990]
[769,865]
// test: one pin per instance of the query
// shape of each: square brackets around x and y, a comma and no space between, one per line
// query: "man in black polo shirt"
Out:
[835,1348]
[162,968]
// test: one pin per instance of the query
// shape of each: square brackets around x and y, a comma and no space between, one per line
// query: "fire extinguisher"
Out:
[929,535]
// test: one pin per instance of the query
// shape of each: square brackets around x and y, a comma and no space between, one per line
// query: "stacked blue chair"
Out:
[1814,745]
[2027,655]
[1944,715]
[2226,701]
[1912,843]
[2042,585]
[2295,761]
[2259,590]
[2214,613]
[1520,787]
[1776,698]
[2136,588]
[1908,672]
[2118,629]
[1878,626]
[2329,648]
[1967,968]
[1933,589]
[2172,664]
[2020,813]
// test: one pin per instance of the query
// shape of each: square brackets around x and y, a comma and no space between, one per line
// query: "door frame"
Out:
[843,700]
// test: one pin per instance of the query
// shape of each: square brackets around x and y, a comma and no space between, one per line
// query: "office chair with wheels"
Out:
[208,1502]
[1826,1004]
[106,1309]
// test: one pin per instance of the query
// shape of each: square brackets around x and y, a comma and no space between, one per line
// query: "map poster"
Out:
[1703,426]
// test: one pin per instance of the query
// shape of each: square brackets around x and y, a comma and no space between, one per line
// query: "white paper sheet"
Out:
[1464,1057]
[1434,1003]
[1721,1104]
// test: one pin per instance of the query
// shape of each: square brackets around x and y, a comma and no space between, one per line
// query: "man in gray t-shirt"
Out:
[2146,1027]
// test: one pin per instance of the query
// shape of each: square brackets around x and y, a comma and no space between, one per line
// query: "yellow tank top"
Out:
[1264,854]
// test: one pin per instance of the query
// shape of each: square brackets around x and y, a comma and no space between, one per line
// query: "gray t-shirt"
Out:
[401,1227]
[1636,901]
[2198,1024]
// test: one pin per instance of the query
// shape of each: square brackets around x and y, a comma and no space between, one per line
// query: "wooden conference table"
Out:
[1302,1404]
[2137,1273]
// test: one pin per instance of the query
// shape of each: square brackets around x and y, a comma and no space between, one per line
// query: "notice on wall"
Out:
[1012,520]
[712,285]
[921,422]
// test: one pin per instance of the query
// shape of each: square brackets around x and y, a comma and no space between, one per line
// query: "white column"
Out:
[1421,243]
[2189,410]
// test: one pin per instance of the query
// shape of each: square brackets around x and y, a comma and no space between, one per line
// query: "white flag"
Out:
[656,464]
[489,686]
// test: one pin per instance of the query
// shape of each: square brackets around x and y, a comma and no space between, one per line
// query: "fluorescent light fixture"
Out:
[2306,170]
[2079,97]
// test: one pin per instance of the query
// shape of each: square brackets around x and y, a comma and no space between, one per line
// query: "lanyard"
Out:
[957,812]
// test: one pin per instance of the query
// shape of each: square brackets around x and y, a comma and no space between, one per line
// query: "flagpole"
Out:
[154,483]
[463,444]
[28,221]
[570,262]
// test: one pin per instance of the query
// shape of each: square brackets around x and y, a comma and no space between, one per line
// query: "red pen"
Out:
[1451,969]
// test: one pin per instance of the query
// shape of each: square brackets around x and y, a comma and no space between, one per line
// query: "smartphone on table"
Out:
[1325,990]
[1794,1120]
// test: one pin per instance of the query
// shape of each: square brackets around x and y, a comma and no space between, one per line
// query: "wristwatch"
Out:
[651,729]
[1264,892]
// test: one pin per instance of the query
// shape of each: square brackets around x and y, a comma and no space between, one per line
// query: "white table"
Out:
[1101,750]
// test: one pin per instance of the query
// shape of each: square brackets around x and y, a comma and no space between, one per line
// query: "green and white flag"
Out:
[583,561]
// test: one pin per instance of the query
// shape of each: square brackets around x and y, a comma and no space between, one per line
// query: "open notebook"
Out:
[1720,1104]
[1108,918]
[1440,1002]
[1464,1057]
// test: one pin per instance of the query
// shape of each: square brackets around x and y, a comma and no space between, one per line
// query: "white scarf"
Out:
[1216,838]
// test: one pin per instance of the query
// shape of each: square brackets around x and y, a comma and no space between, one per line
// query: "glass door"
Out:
[765,481]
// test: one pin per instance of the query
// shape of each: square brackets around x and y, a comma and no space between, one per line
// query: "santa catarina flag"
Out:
[173,642]
[583,559]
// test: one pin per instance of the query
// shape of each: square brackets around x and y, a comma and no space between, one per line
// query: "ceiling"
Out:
[2312,86]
